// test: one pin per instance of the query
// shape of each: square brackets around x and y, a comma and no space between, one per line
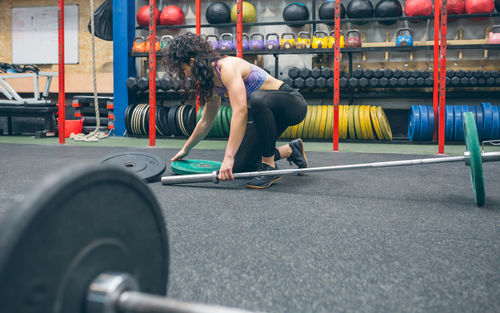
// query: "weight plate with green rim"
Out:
[225,126]
[192,166]
[475,159]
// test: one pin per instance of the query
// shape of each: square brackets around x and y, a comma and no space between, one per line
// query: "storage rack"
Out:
[348,51]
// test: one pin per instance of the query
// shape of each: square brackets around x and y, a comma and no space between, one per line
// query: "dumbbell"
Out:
[305,72]
[406,74]
[393,81]
[165,82]
[353,82]
[315,72]
[310,82]
[299,82]
[176,83]
[329,83]
[412,81]
[473,81]
[397,73]
[363,82]
[424,74]
[402,81]
[288,81]
[343,82]
[357,73]
[368,73]
[464,81]
[477,74]
[326,72]
[321,82]
[388,73]
[415,74]
[481,81]
[469,74]
[490,81]
[420,81]
[383,82]
[293,72]
[131,84]
[486,74]
[378,73]
[142,84]
[373,82]
[460,73]
[429,81]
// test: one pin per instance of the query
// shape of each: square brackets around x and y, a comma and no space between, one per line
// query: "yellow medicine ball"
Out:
[249,13]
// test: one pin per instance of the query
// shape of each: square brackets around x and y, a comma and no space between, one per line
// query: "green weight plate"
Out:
[191,166]
[199,113]
[225,122]
[218,123]
[475,165]
[73,226]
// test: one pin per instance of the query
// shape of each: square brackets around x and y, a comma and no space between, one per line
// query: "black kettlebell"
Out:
[388,8]
[327,11]
[296,11]
[359,9]
[218,12]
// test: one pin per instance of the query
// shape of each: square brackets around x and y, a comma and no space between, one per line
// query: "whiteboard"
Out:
[35,35]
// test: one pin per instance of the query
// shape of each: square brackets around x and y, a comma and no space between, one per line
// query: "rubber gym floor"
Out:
[403,239]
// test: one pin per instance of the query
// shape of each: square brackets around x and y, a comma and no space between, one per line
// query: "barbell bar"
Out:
[473,157]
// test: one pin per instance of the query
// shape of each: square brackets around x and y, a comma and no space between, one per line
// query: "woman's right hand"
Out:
[180,155]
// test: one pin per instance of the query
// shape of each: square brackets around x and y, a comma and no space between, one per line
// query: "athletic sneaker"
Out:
[261,182]
[298,155]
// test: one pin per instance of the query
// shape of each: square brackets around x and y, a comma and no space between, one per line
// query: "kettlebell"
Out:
[331,40]
[164,40]
[287,41]
[139,45]
[246,41]
[257,41]
[214,43]
[353,39]
[272,41]
[303,40]
[320,40]
[157,45]
[224,44]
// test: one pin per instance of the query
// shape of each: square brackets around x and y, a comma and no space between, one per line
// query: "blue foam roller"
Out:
[487,120]
[414,123]
[459,129]
[449,123]
[495,130]
[424,122]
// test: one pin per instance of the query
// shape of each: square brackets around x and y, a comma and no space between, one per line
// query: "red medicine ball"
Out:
[143,16]
[172,15]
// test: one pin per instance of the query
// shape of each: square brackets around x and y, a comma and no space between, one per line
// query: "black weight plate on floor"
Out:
[148,167]
[128,117]
[172,116]
[74,226]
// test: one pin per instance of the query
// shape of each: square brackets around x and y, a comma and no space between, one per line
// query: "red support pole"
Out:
[198,17]
[435,101]
[198,32]
[62,94]
[239,29]
[336,69]
[442,72]
[152,74]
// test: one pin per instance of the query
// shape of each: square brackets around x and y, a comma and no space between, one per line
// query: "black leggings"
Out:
[270,112]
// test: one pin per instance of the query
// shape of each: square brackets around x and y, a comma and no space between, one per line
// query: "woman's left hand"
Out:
[226,169]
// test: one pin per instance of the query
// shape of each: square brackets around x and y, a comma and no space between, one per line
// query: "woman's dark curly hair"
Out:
[184,47]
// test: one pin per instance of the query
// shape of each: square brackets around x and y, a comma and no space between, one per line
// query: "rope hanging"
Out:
[95,135]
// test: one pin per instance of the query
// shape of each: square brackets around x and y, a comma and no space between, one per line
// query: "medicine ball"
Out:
[327,10]
[249,13]
[497,5]
[479,6]
[218,12]
[388,8]
[418,8]
[296,11]
[143,16]
[360,9]
[172,15]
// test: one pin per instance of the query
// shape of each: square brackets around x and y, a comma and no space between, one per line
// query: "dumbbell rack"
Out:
[349,51]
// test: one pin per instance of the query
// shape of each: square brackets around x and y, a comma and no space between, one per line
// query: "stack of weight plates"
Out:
[355,122]
[176,120]
[421,122]
[220,127]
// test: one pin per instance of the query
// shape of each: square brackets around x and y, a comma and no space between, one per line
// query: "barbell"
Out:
[473,157]
[88,240]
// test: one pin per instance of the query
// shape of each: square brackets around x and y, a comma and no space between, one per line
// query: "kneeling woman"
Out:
[264,103]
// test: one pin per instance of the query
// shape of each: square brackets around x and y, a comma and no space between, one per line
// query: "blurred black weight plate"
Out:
[172,116]
[148,167]
[74,226]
